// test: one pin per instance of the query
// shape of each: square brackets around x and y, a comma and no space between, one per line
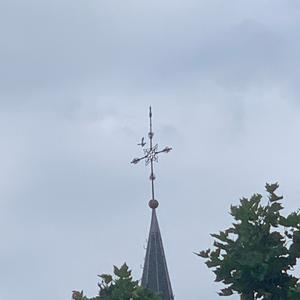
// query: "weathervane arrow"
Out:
[151,155]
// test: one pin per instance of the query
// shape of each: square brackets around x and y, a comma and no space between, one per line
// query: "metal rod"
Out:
[151,149]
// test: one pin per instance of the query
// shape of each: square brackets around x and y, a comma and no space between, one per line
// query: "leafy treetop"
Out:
[254,256]
[118,287]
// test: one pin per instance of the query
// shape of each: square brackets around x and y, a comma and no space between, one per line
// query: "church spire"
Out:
[155,273]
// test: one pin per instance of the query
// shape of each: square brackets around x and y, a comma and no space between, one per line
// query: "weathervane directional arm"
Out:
[137,160]
[165,150]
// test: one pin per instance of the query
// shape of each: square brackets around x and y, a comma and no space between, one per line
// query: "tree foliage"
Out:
[121,286]
[256,254]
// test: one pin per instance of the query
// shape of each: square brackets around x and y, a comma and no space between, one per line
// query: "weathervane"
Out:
[150,156]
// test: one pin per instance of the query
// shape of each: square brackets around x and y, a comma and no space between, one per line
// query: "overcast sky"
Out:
[76,80]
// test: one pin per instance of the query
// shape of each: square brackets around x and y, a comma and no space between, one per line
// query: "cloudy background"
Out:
[76,80]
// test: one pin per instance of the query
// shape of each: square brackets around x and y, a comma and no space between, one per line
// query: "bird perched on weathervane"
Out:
[142,143]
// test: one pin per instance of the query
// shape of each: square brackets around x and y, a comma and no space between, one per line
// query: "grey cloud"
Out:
[53,45]
[76,81]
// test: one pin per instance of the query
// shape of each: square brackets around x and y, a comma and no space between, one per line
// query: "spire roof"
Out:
[155,274]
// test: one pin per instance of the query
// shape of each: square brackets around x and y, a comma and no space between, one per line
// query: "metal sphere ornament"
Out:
[153,203]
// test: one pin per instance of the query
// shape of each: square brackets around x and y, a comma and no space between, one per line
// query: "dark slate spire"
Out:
[155,273]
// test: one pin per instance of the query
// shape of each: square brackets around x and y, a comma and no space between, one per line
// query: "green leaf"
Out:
[106,278]
[276,207]
[222,236]
[204,254]
[211,263]
[226,292]
[293,220]
[271,188]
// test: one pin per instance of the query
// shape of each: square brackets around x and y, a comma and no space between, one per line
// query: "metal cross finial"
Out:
[151,153]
